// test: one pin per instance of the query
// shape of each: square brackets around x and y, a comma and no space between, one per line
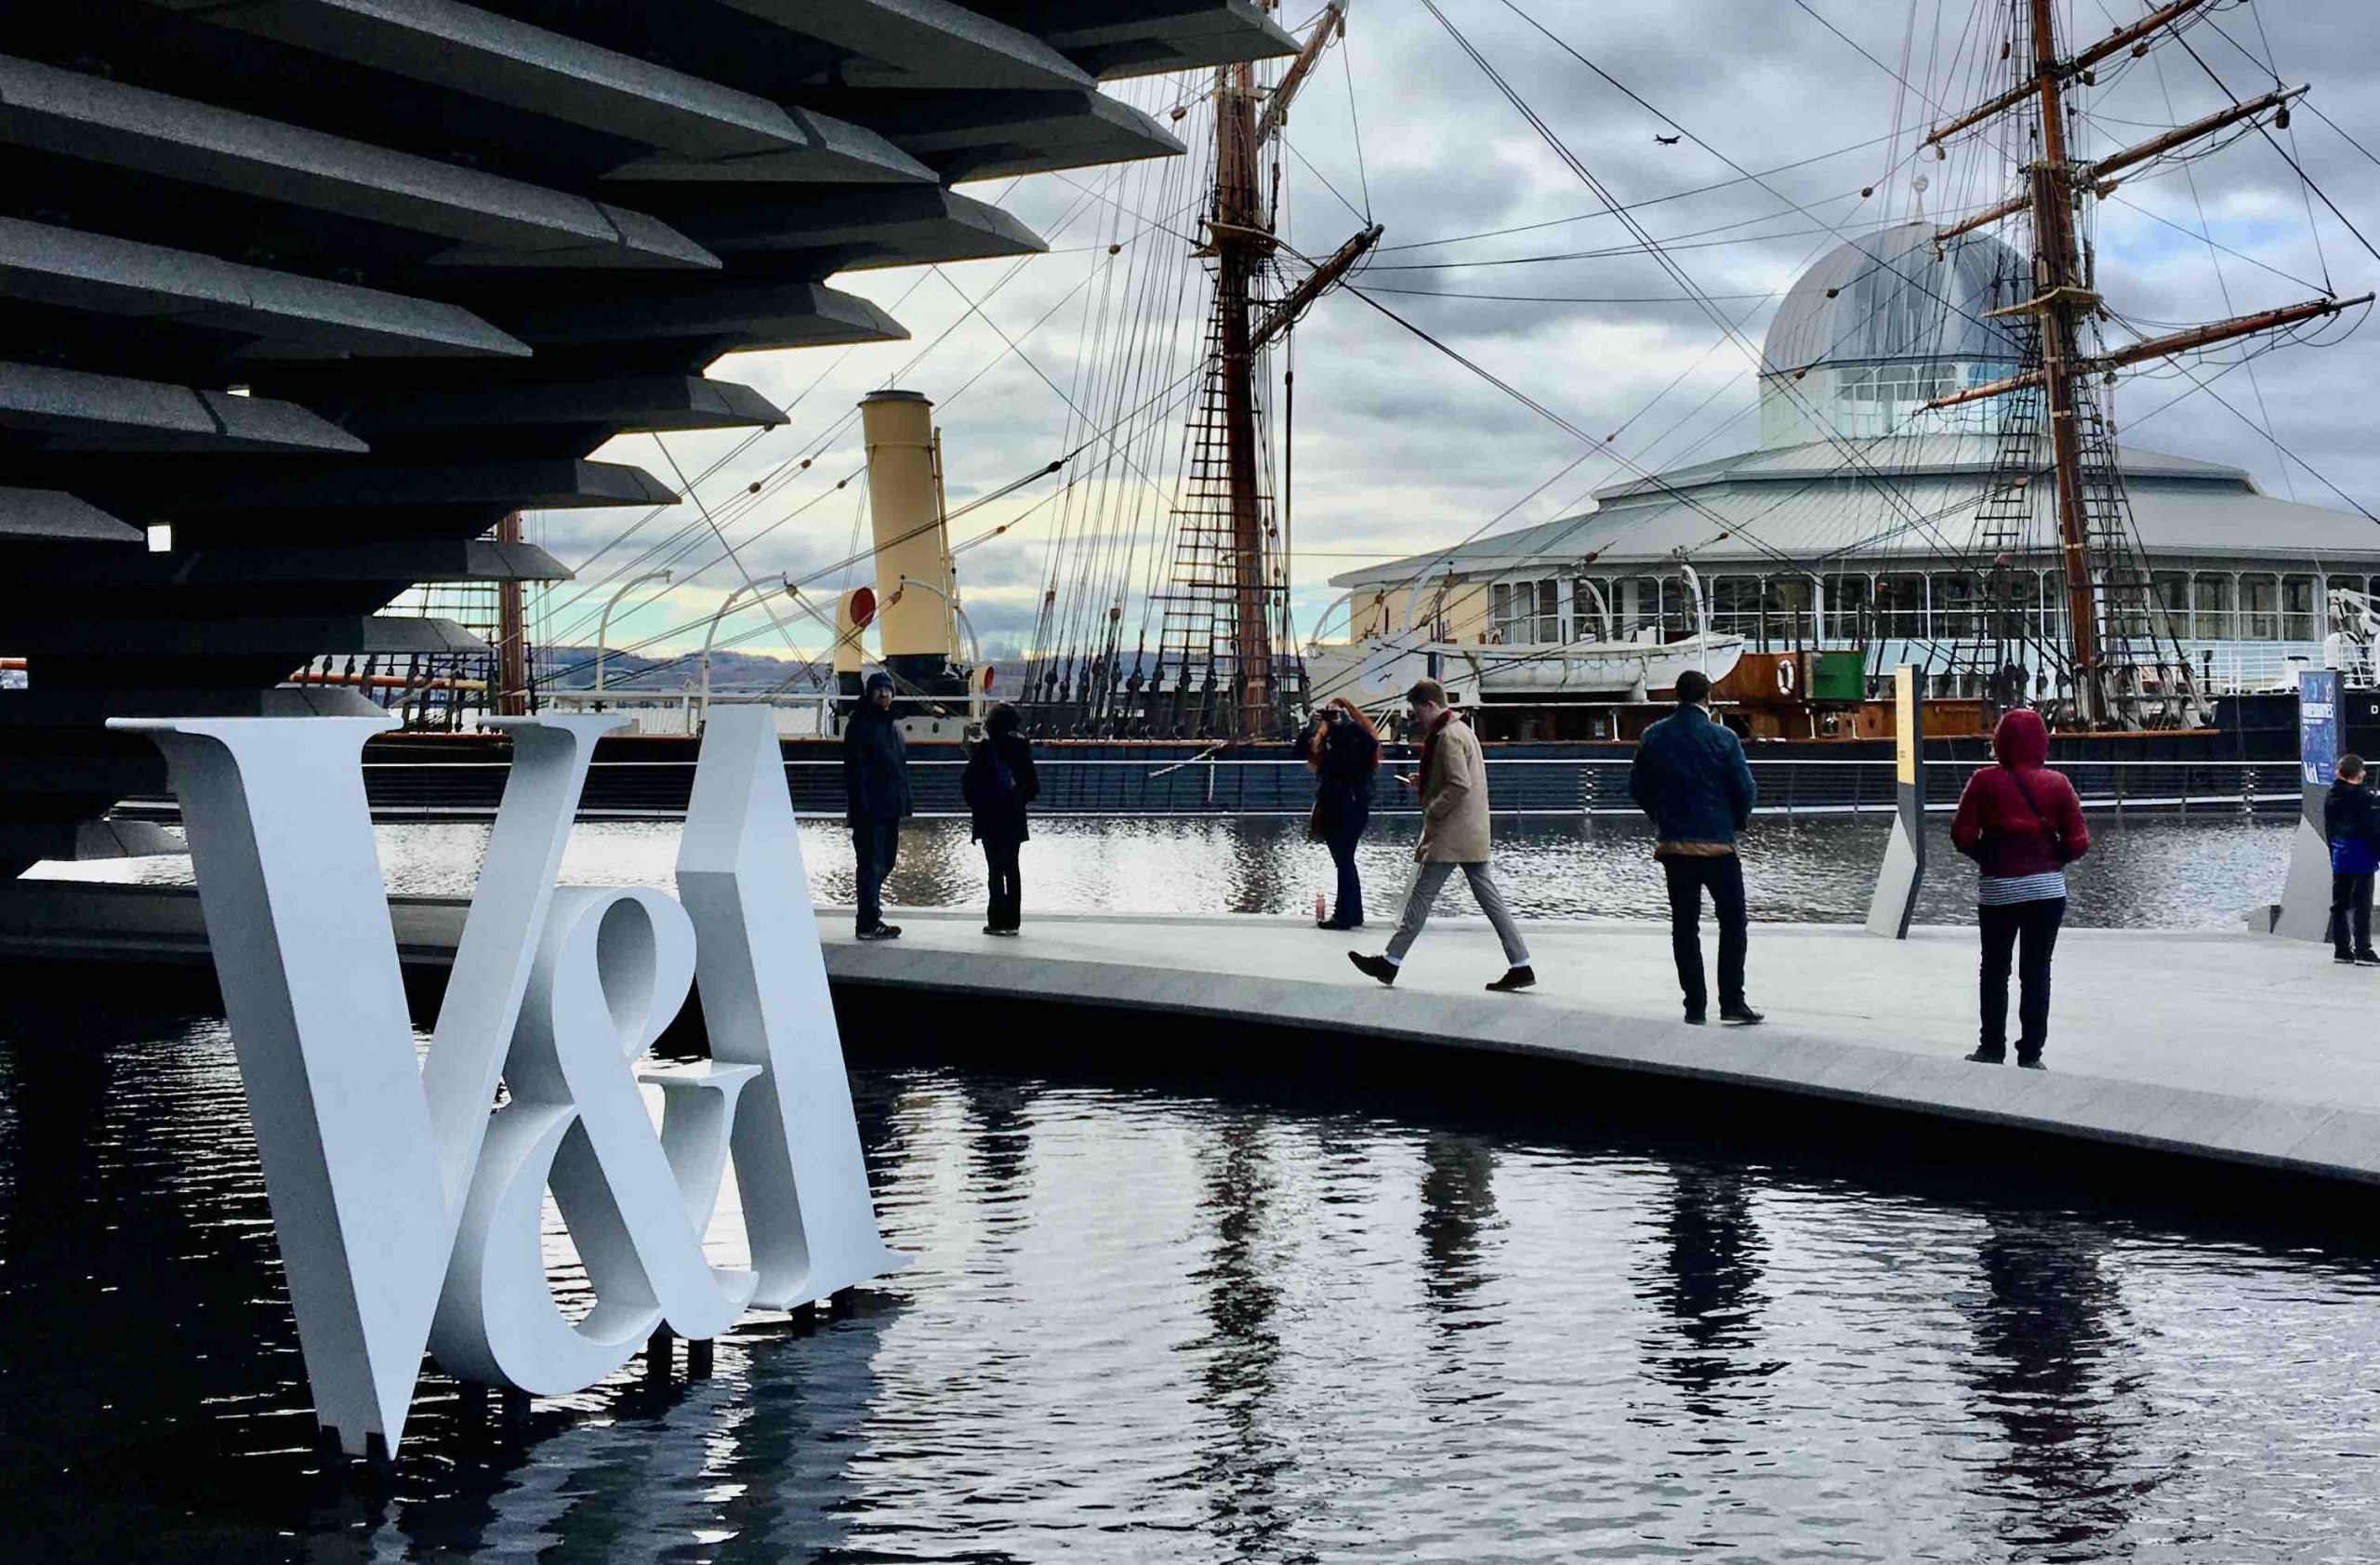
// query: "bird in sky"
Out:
[1669,140]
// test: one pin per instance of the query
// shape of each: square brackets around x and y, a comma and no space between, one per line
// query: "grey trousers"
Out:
[1431,879]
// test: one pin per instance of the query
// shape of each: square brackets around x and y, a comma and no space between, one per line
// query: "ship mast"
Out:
[1243,243]
[1225,566]
[2101,626]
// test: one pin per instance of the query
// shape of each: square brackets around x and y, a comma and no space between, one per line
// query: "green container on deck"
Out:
[1838,676]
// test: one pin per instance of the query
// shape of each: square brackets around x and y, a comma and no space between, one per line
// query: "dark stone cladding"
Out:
[444,251]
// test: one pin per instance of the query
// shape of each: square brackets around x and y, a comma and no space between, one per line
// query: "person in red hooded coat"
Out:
[2022,825]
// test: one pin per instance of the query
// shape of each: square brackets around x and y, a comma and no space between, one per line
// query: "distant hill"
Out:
[573,667]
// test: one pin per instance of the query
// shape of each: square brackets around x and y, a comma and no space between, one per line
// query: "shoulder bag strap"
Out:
[2057,838]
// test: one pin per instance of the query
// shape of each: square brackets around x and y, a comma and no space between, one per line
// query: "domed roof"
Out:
[1894,299]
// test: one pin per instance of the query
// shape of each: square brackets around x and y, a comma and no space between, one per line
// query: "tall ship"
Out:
[1940,482]
[1940,477]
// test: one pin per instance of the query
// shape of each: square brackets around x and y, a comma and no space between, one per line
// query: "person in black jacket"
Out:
[1343,750]
[2351,822]
[998,784]
[876,793]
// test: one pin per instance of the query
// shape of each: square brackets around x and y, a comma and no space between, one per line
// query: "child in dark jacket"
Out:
[998,784]
[2351,821]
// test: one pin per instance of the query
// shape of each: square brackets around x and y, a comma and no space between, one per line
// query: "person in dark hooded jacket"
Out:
[876,793]
[2351,821]
[2022,824]
[999,783]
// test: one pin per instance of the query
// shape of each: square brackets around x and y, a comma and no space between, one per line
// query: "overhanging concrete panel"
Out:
[834,152]
[77,411]
[370,559]
[1125,38]
[293,317]
[874,229]
[628,404]
[921,43]
[52,516]
[530,484]
[777,316]
[78,116]
[989,134]
[296,638]
[465,49]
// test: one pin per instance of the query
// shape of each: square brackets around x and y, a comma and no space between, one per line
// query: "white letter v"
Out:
[367,1154]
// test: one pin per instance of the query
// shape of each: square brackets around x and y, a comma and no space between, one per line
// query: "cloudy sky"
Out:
[1399,449]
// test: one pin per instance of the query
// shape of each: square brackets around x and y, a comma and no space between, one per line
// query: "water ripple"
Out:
[1174,1327]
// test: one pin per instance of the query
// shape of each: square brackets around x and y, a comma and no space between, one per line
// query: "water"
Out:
[1188,1320]
[1176,1323]
[2154,871]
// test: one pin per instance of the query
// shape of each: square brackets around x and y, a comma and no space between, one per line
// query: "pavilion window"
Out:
[1900,606]
[2019,600]
[2260,608]
[2212,607]
[1548,627]
[1957,605]
[1639,606]
[1735,604]
[2171,591]
[2299,622]
[1499,612]
[1595,608]
[1787,605]
[1849,602]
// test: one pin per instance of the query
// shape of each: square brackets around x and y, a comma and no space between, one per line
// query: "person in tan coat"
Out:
[1453,784]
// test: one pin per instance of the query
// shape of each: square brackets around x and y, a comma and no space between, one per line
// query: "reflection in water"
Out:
[1171,1328]
[1457,1207]
[1708,1286]
[2045,1337]
[1001,1145]
[787,1465]
[1267,868]
[1240,1355]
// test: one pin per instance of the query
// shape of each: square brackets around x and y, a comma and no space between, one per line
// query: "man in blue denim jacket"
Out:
[1691,778]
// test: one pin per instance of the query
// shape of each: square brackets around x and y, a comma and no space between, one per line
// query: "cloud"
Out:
[1398,447]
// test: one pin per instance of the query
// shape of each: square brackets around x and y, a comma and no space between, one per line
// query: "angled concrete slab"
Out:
[293,637]
[490,217]
[289,316]
[53,516]
[366,560]
[73,410]
[369,486]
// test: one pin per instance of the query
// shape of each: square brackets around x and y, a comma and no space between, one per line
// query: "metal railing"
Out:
[1219,785]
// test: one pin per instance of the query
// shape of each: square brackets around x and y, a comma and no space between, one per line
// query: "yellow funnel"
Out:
[915,579]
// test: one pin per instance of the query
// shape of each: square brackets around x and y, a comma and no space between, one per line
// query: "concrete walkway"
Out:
[2208,1045]
[2233,1048]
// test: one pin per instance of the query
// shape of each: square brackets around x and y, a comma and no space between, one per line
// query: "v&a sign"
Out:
[407,1203]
